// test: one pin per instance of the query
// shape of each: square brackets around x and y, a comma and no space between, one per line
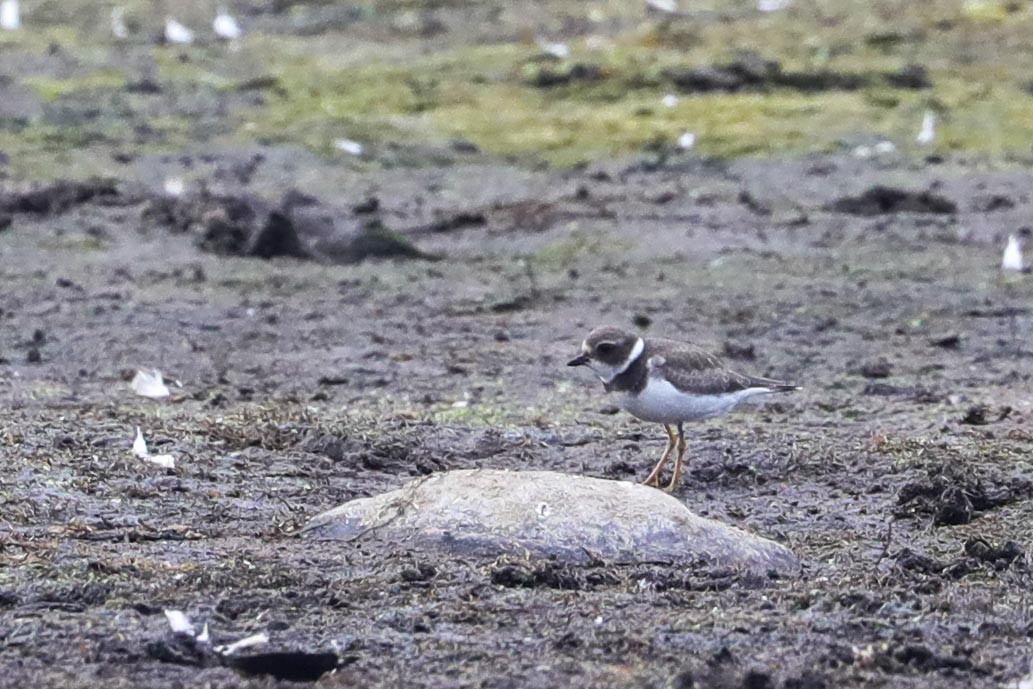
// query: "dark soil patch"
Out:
[57,197]
[276,237]
[953,497]
[292,666]
[551,77]
[754,73]
[300,226]
[982,415]
[880,200]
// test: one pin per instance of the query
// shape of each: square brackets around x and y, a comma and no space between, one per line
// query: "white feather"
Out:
[177,33]
[118,23]
[1012,259]
[348,146]
[226,27]
[174,186]
[204,637]
[150,384]
[666,6]
[140,445]
[10,15]
[179,622]
[141,451]
[246,642]
[773,5]
[1024,682]
[927,135]
[560,51]
[164,461]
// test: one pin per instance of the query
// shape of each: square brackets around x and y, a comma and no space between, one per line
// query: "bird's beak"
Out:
[580,360]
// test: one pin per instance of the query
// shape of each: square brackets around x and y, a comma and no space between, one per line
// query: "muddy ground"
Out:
[305,385]
[900,474]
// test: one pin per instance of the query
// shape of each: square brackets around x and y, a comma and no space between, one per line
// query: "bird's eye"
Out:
[605,348]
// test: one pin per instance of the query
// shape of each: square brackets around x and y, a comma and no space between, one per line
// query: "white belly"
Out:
[661,402]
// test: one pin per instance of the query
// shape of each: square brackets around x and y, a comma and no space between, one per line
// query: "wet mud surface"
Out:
[900,474]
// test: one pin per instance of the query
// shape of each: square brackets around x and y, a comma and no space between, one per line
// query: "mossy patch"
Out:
[485,95]
[53,89]
[406,95]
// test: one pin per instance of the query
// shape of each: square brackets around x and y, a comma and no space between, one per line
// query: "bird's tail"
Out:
[774,385]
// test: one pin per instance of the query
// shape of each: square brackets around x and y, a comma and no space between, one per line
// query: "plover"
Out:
[667,382]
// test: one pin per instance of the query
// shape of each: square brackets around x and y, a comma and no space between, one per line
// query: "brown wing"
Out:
[693,370]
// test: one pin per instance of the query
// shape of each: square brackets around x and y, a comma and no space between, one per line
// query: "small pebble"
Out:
[370,204]
[641,320]
[876,369]
[947,341]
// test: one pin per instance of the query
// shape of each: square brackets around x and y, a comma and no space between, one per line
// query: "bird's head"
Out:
[609,352]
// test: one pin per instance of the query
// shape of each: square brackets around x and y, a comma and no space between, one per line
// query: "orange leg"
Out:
[679,463]
[654,476]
